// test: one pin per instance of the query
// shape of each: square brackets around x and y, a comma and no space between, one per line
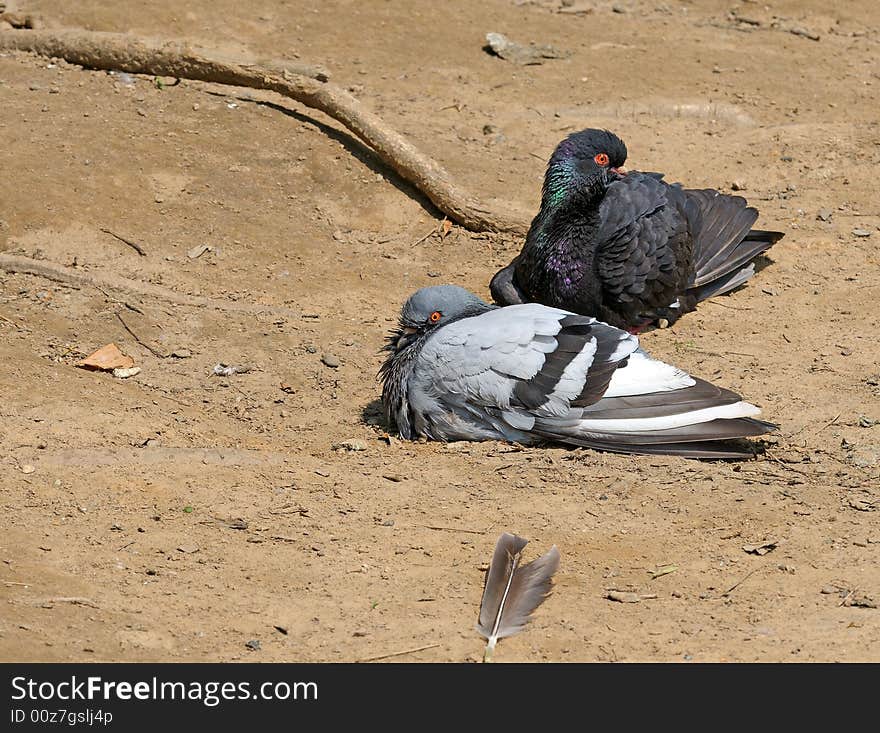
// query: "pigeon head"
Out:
[585,162]
[430,308]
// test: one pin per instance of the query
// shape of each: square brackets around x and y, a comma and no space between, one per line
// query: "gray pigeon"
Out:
[461,369]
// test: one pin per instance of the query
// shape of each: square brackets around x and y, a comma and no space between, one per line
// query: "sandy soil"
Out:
[178,515]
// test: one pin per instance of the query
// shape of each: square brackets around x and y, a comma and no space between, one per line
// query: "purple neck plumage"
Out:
[561,236]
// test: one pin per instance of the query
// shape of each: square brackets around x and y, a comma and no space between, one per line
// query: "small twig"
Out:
[121,302]
[398,654]
[137,338]
[12,582]
[830,423]
[785,465]
[422,239]
[847,598]
[134,245]
[742,580]
[455,529]
[731,307]
[75,600]
[72,277]
[10,321]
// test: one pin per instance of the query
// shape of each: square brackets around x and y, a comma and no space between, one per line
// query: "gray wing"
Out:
[512,364]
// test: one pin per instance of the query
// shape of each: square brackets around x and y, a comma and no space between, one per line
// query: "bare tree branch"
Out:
[120,52]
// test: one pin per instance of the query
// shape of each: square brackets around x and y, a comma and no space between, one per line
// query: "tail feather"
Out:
[716,439]
[725,284]
[736,256]
[725,242]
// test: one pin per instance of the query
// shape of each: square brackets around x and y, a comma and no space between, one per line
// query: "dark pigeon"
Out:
[627,247]
[461,369]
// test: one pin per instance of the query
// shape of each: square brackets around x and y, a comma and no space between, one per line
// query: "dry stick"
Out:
[119,52]
[398,654]
[742,580]
[75,600]
[134,245]
[67,275]
[829,423]
[9,320]
[137,338]
[454,529]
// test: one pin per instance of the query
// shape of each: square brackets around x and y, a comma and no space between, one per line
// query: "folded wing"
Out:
[529,372]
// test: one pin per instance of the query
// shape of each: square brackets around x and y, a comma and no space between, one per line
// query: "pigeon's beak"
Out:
[400,339]
[406,335]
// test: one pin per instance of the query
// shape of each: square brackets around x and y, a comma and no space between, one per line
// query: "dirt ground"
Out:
[178,515]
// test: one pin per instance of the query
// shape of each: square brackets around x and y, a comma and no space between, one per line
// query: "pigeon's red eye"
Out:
[601,159]
[435,316]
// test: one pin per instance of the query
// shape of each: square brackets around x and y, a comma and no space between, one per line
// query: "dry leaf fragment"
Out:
[861,505]
[859,599]
[663,570]
[106,359]
[518,53]
[198,251]
[761,548]
[625,596]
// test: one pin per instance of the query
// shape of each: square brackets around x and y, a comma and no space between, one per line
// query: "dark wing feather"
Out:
[704,440]
[507,549]
[724,240]
[661,404]
[513,591]
[577,334]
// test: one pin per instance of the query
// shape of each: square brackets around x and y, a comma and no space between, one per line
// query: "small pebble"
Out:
[27,468]
[351,445]
[181,354]
[824,214]
[121,373]
[254,645]
[331,360]
[861,233]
